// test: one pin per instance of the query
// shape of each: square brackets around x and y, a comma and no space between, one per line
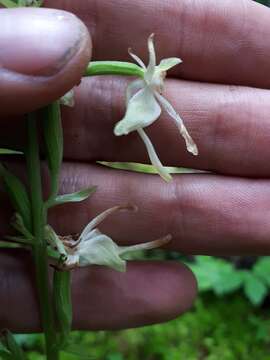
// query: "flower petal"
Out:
[142,111]
[153,156]
[133,88]
[68,99]
[190,144]
[152,60]
[167,64]
[137,59]
[146,246]
[101,250]
[87,232]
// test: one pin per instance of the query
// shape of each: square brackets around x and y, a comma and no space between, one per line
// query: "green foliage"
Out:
[222,277]
[21,3]
[254,288]
[9,348]
[264,2]
[216,329]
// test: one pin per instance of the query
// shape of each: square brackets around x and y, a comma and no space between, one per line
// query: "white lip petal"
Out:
[143,109]
[101,251]
[137,59]
[167,64]
[190,144]
[153,156]
[133,88]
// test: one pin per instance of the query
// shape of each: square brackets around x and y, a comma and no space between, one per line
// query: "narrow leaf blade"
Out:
[18,195]
[74,197]
[10,152]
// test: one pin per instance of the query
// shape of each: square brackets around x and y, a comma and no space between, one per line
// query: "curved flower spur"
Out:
[94,248]
[144,100]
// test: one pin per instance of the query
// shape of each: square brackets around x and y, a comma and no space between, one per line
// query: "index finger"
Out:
[219,41]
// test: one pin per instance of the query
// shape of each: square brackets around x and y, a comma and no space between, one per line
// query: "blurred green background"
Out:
[230,320]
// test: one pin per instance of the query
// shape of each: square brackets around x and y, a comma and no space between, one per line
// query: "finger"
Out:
[149,292]
[229,124]
[43,55]
[221,41]
[205,214]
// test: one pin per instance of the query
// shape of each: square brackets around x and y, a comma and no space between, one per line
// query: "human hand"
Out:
[224,47]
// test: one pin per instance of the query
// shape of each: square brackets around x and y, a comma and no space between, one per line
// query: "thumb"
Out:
[43,54]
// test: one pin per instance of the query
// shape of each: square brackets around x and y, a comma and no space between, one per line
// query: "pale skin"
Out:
[222,92]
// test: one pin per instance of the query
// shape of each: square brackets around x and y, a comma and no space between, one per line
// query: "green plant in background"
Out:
[223,278]
[203,333]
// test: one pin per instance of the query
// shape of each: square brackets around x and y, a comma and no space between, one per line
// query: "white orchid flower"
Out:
[144,101]
[95,248]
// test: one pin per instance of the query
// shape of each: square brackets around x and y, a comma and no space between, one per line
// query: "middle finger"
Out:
[230,125]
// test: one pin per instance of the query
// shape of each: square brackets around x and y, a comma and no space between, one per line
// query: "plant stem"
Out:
[113,68]
[40,247]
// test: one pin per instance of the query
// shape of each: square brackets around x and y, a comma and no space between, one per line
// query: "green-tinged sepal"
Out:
[74,197]
[9,348]
[62,305]
[17,194]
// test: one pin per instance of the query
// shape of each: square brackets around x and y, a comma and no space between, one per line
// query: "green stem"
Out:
[40,248]
[113,68]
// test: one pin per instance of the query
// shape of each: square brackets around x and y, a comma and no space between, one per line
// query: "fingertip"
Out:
[45,61]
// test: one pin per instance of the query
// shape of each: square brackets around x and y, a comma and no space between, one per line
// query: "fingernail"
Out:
[38,42]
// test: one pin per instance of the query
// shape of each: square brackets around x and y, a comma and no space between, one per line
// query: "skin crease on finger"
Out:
[149,292]
[219,41]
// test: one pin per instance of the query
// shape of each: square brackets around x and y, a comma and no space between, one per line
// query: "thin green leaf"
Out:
[62,305]
[10,152]
[14,243]
[12,346]
[18,195]
[74,197]
[148,169]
